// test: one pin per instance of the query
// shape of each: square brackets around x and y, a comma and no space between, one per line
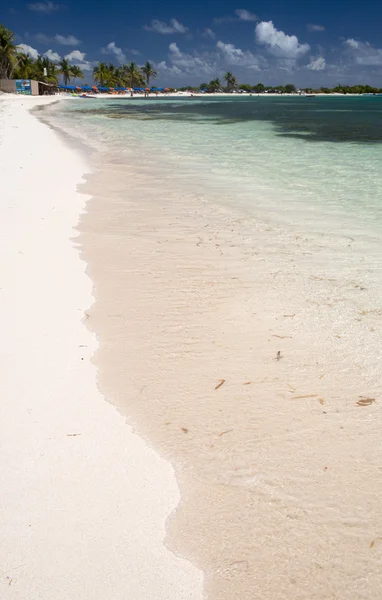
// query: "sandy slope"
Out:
[81,516]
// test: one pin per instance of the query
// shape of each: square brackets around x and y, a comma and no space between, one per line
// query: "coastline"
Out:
[212,95]
[85,500]
[277,462]
[194,301]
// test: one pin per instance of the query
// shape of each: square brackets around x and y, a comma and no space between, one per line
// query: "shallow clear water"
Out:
[234,247]
[316,159]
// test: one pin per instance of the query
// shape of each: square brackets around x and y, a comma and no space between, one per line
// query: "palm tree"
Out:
[133,73]
[76,72]
[149,72]
[65,70]
[214,85]
[101,73]
[230,80]
[8,51]
[23,69]
[43,65]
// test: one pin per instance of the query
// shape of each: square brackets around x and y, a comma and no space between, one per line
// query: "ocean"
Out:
[235,250]
[309,157]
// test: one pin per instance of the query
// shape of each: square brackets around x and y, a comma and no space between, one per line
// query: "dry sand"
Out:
[83,500]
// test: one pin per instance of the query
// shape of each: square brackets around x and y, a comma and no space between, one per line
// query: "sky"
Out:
[320,42]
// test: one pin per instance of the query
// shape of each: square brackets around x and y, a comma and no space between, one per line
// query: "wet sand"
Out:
[241,352]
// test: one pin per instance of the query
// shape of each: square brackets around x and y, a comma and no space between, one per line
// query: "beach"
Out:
[202,307]
[84,500]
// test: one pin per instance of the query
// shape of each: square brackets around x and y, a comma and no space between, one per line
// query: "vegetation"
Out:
[259,88]
[8,52]
[68,71]
[149,72]
[130,75]
[231,81]
[15,64]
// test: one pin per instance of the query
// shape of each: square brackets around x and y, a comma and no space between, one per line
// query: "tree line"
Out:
[232,85]
[15,64]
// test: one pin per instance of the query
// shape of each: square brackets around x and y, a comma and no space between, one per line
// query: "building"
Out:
[27,87]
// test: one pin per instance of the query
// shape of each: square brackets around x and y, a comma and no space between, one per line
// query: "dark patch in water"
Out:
[309,119]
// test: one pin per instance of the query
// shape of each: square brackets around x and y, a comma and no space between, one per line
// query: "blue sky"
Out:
[275,41]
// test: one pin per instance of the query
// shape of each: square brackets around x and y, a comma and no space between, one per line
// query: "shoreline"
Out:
[194,301]
[274,455]
[85,500]
[200,95]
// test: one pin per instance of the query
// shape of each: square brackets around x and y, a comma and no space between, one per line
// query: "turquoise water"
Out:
[316,159]
[239,240]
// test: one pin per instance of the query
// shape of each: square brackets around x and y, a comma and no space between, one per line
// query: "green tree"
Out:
[134,75]
[8,51]
[246,87]
[24,67]
[101,74]
[230,80]
[148,72]
[45,70]
[65,70]
[214,85]
[259,88]
[76,72]
[290,88]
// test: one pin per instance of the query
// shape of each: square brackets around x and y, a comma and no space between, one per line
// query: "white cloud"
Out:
[135,52]
[312,27]
[76,55]
[351,43]
[85,66]
[236,56]
[78,58]
[317,64]
[278,43]
[68,40]
[192,64]
[163,67]
[44,7]
[208,33]
[52,55]
[28,50]
[245,15]
[113,49]
[363,53]
[173,26]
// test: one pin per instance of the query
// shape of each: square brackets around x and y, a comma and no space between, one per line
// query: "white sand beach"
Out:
[246,352]
[83,500]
